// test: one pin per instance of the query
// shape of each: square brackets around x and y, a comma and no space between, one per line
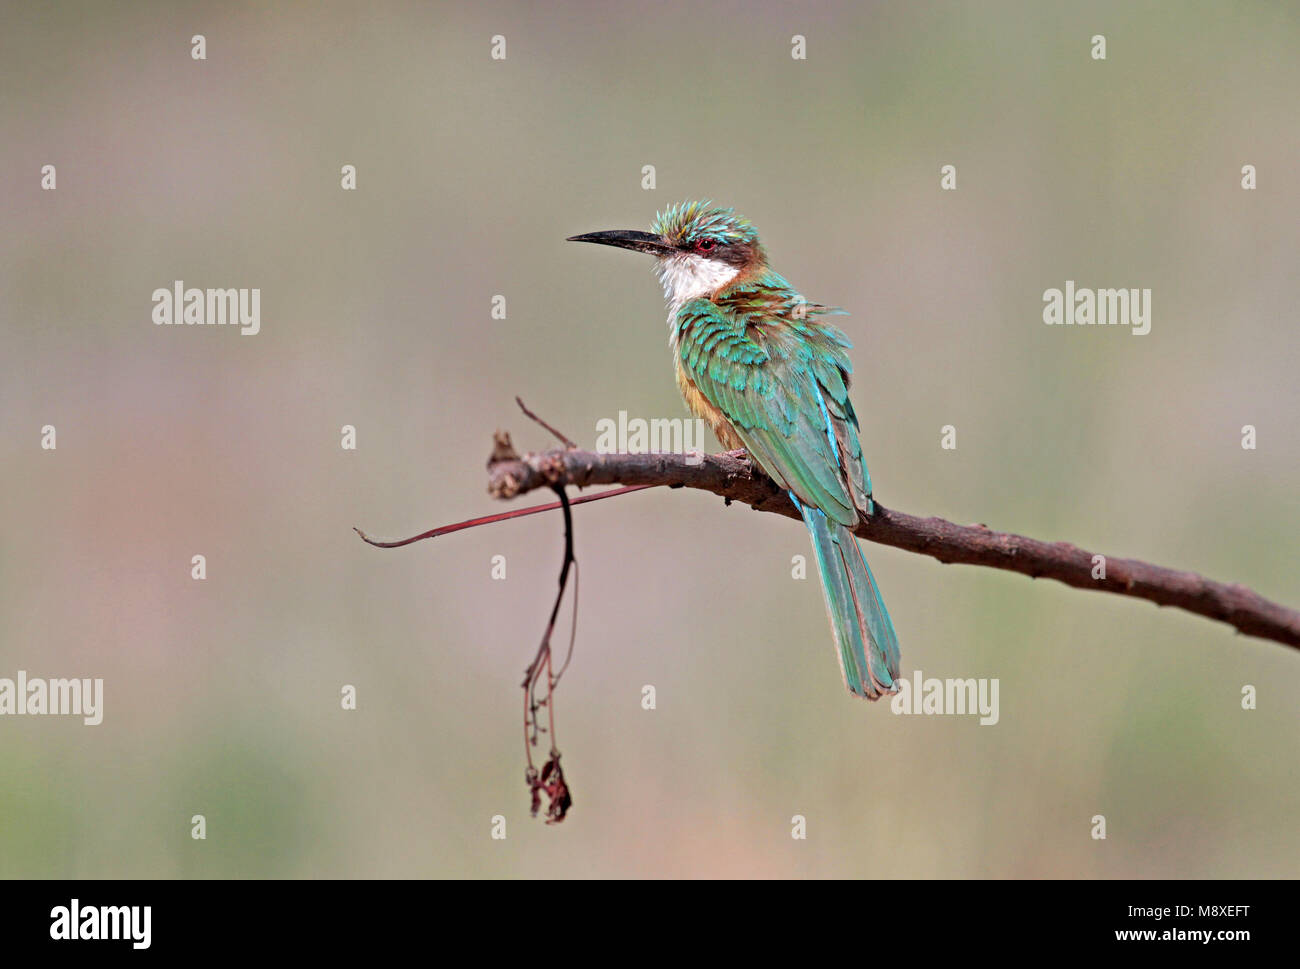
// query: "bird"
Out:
[763,368]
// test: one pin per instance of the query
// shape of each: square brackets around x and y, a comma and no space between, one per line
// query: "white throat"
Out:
[687,276]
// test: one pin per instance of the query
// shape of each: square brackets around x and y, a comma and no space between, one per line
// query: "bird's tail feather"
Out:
[864,633]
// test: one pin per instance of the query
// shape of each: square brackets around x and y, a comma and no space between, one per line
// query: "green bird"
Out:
[754,360]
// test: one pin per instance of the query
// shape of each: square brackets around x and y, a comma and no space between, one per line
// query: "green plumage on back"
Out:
[760,355]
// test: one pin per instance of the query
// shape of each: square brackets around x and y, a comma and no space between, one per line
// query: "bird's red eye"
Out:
[704,245]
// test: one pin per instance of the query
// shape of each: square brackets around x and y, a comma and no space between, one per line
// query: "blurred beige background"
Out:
[222,696]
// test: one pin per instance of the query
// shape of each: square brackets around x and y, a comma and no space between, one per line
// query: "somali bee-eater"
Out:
[755,362]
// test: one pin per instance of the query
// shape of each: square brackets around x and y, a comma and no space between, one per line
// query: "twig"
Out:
[735,479]
[492,519]
[563,438]
[551,780]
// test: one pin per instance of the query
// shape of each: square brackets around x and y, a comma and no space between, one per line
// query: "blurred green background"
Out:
[222,696]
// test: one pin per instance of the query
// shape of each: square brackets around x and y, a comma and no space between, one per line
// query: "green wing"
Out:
[781,377]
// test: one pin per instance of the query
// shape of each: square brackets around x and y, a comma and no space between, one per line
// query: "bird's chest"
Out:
[700,406]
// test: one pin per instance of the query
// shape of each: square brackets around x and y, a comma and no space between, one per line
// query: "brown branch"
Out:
[735,479]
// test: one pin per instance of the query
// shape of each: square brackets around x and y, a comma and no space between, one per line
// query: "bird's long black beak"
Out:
[627,239]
